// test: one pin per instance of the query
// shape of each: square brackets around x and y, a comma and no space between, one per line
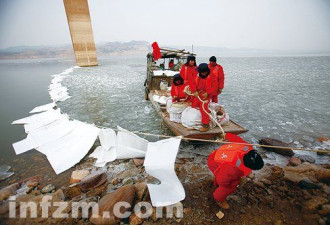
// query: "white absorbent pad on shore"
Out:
[63,141]
[123,145]
[159,163]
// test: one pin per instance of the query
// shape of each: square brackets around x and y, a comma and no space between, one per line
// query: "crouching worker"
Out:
[230,164]
[178,88]
[204,88]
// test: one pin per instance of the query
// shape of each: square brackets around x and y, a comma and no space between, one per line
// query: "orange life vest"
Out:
[208,82]
[233,154]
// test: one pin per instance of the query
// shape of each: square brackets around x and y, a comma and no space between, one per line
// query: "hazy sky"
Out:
[262,24]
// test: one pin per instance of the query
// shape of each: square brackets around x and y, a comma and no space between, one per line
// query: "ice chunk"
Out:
[4,174]
[39,117]
[159,163]
[43,108]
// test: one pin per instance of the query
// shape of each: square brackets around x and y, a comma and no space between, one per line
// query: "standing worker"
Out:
[217,72]
[229,164]
[188,72]
[203,89]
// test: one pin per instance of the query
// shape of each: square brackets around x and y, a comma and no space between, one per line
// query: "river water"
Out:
[286,98]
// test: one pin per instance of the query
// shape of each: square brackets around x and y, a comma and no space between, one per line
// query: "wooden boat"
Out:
[152,87]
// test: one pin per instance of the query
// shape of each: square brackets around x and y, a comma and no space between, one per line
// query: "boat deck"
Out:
[179,130]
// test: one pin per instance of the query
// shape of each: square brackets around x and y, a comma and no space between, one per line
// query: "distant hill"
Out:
[138,49]
[132,48]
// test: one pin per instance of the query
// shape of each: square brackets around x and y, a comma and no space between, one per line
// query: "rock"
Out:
[322,221]
[311,205]
[135,220]
[115,181]
[107,203]
[9,190]
[78,175]
[59,194]
[294,161]
[92,181]
[187,210]
[307,184]
[138,162]
[141,190]
[322,139]
[127,181]
[48,189]
[72,191]
[306,171]
[325,210]
[220,214]
[274,142]
[306,158]
[278,222]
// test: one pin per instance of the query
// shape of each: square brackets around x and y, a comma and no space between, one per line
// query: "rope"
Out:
[218,141]
[188,92]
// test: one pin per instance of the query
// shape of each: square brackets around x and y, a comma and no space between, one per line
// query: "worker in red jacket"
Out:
[204,88]
[171,64]
[217,72]
[188,72]
[177,89]
[229,164]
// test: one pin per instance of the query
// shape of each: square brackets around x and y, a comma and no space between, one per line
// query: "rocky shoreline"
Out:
[298,193]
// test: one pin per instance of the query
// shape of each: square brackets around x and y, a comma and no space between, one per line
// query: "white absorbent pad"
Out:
[159,163]
[123,145]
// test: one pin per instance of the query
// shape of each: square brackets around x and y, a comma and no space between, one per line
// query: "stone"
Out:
[141,190]
[322,139]
[325,210]
[78,175]
[274,142]
[220,214]
[294,161]
[306,171]
[59,194]
[107,203]
[312,205]
[93,180]
[135,220]
[9,190]
[306,158]
[187,210]
[307,184]
[322,221]
[72,191]
[115,181]
[127,181]
[48,189]
[278,222]
[138,162]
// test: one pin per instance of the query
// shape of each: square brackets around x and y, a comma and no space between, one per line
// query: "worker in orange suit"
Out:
[188,72]
[229,164]
[171,64]
[177,89]
[204,88]
[217,72]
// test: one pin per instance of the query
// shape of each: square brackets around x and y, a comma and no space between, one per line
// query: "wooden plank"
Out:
[179,130]
[80,26]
